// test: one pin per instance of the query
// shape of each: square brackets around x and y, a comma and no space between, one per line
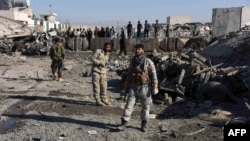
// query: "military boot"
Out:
[143,126]
[54,76]
[122,126]
[105,101]
[99,103]
[60,80]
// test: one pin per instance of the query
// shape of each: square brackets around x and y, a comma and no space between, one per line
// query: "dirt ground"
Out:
[33,107]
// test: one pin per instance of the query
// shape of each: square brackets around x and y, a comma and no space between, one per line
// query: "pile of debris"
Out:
[221,70]
[35,44]
[18,37]
[216,72]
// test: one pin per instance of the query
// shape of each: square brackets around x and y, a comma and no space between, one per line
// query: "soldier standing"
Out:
[57,54]
[141,82]
[99,79]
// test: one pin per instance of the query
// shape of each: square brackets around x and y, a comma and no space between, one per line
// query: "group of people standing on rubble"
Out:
[141,82]
[111,33]
[146,27]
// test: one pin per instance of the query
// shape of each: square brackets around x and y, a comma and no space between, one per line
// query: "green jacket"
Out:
[57,51]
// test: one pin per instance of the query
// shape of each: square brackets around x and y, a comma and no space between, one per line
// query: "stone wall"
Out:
[225,20]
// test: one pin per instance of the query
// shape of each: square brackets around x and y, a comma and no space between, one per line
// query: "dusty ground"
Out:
[33,107]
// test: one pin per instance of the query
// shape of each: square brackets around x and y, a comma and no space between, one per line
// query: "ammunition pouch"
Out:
[139,78]
[56,58]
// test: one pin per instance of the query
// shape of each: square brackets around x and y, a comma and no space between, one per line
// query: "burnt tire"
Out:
[213,90]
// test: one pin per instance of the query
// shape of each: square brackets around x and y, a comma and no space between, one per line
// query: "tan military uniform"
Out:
[99,77]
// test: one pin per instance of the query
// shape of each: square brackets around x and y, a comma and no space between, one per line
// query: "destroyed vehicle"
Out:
[16,36]
[36,44]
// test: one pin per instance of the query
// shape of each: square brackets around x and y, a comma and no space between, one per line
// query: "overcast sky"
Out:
[119,12]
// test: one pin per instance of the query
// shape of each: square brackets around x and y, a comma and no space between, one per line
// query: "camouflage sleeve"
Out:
[152,71]
[51,52]
[63,51]
[94,57]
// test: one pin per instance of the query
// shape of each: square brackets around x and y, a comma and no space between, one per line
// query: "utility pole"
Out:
[50,8]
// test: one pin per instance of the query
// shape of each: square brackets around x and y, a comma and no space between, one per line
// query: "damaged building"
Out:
[225,20]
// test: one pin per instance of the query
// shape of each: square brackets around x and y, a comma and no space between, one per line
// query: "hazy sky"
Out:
[119,12]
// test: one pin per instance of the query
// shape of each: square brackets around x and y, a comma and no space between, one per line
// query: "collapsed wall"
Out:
[232,50]
[11,28]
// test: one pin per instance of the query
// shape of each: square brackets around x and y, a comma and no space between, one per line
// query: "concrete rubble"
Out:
[217,71]
[202,71]
[187,64]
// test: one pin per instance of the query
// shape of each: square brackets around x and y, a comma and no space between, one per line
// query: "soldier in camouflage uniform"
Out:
[99,79]
[57,54]
[141,82]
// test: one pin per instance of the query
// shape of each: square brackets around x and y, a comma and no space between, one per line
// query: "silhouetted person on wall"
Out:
[139,27]
[122,43]
[146,29]
[112,36]
[89,37]
[129,29]
[156,28]
[101,32]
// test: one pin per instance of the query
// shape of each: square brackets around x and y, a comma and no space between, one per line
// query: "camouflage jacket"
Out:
[57,51]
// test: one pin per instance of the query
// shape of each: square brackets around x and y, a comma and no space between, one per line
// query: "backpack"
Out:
[57,51]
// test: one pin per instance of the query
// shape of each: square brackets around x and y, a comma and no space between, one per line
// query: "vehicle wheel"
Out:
[213,90]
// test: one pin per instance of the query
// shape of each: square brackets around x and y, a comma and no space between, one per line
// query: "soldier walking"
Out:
[57,54]
[141,82]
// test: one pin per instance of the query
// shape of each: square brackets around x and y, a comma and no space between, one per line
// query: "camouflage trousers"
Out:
[143,94]
[99,81]
[57,66]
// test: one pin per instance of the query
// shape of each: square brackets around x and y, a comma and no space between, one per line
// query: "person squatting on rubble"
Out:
[57,54]
[99,77]
[140,84]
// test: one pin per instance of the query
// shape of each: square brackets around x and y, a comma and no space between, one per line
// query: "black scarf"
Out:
[138,60]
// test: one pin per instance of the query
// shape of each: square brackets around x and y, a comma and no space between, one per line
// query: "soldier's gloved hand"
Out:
[155,91]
